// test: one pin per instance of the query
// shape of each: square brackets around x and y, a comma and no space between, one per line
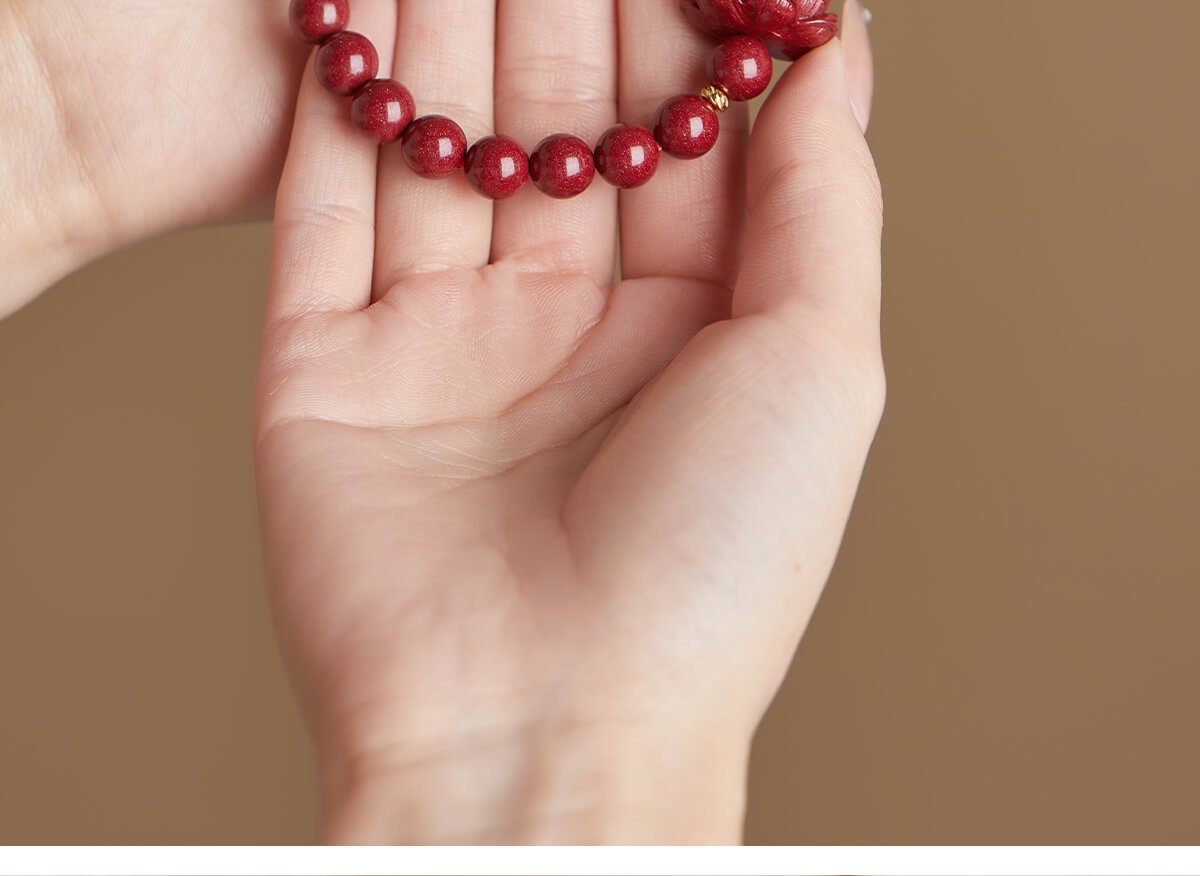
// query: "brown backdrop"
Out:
[1006,652]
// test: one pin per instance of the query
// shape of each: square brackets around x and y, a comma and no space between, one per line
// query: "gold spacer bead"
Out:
[716,95]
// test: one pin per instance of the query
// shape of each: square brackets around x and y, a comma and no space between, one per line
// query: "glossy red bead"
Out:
[627,156]
[497,167]
[742,67]
[434,146]
[687,126]
[562,166]
[347,62]
[383,109]
[314,20]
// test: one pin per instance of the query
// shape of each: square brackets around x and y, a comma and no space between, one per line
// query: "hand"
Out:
[541,547]
[125,119]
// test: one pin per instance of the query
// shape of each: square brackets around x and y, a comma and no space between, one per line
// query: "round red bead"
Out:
[741,66]
[627,156]
[497,167]
[434,146]
[383,109]
[314,20]
[347,62]
[687,126]
[562,166]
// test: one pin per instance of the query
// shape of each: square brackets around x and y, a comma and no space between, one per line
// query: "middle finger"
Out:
[556,73]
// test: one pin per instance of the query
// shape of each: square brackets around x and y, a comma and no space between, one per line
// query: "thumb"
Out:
[812,257]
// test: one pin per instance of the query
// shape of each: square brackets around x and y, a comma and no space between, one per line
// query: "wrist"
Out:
[584,786]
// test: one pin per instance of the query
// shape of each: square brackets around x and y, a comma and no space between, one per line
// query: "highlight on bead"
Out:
[317,20]
[687,126]
[434,147]
[346,62]
[741,67]
[562,165]
[383,109]
[497,167]
[627,156]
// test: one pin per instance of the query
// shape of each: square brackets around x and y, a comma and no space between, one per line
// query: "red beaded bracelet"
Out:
[562,165]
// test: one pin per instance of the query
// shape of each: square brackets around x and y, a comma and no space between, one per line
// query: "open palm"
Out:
[512,509]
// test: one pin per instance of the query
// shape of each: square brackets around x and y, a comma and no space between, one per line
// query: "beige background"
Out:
[1007,651]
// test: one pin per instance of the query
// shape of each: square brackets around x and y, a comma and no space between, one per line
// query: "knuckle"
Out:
[819,179]
[538,89]
[841,360]
[557,78]
[874,389]
[324,215]
[871,184]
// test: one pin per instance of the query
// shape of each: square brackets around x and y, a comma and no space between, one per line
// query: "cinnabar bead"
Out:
[383,109]
[434,146]
[627,156]
[347,62]
[497,167]
[562,166]
[687,126]
[741,66]
[314,20]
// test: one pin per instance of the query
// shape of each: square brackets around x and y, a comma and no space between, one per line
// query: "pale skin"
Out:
[540,546]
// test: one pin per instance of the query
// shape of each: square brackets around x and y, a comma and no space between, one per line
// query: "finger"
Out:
[860,63]
[445,55]
[687,221]
[555,74]
[815,205]
[325,209]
